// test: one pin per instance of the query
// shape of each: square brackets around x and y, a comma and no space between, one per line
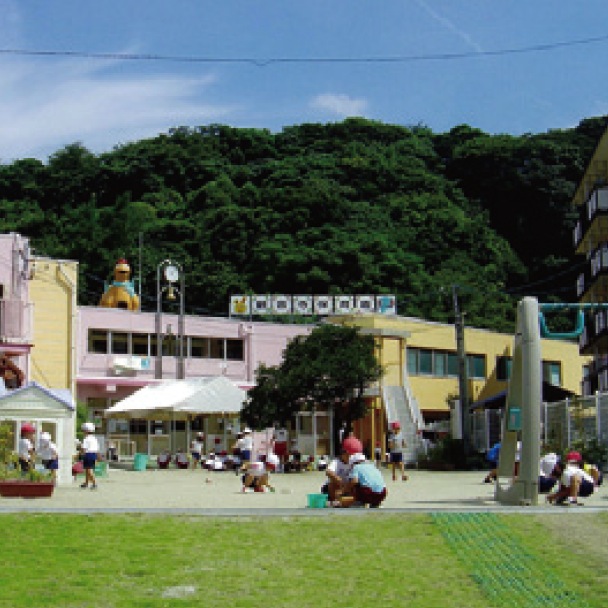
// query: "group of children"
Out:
[576,477]
[46,451]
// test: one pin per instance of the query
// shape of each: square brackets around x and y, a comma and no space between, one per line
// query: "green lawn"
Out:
[374,559]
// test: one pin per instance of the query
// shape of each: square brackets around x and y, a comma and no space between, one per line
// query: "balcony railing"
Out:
[597,204]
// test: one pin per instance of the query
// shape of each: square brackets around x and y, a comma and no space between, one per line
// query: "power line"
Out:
[261,62]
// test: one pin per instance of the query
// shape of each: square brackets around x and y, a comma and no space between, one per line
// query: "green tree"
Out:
[328,369]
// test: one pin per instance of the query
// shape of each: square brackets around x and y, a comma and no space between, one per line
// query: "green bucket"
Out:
[317,501]
[140,462]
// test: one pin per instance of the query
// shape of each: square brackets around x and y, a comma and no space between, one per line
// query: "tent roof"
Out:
[550,394]
[33,399]
[179,398]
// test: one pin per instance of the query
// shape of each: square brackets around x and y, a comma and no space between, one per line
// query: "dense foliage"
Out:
[350,207]
[328,369]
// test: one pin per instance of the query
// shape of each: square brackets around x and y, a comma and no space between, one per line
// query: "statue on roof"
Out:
[121,292]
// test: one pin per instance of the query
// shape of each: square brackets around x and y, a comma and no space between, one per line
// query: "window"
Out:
[452,364]
[476,366]
[441,363]
[98,341]
[425,362]
[503,368]
[140,344]
[552,372]
[120,343]
[216,347]
[234,350]
[412,361]
[199,348]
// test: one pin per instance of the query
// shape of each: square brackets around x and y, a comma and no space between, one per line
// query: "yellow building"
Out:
[53,293]
[421,365]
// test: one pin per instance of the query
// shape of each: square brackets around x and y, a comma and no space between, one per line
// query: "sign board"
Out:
[323,305]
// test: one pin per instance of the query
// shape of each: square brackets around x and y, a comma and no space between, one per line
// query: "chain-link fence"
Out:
[580,421]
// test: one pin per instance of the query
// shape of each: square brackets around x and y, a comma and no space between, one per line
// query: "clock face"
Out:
[171,274]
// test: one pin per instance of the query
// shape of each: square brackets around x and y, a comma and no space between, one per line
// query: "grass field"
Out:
[76,561]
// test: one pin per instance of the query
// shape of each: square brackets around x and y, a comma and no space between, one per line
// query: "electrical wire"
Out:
[261,62]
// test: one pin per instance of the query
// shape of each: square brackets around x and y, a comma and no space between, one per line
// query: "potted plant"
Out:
[14,482]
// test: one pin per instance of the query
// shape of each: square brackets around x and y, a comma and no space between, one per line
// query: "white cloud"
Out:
[339,105]
[45,105]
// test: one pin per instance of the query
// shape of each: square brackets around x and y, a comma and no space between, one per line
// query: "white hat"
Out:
[355,458]
[246,430]
[88,427]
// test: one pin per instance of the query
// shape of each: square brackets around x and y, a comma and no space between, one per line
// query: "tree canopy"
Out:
[330,369]
[350,207]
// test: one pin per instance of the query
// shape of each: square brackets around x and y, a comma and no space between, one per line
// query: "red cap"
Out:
[395,425]
[574,457]
[352,445]
[27,428]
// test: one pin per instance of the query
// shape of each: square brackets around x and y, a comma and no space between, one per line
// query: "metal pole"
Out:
[462,372]
[158,364]
[181,372]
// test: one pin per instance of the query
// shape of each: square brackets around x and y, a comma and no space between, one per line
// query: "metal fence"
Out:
[580,420]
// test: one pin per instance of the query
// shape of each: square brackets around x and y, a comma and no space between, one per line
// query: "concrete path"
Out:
[219,493]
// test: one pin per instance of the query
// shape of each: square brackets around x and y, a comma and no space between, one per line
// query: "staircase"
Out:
[401,406]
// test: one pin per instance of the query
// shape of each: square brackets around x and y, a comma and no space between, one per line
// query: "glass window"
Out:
[199,348]
[412,361]
[216,348]
[426,362]
[476,366]
[234,350]
[452,364]
[139,344]
[552,372]
[98,341]
[120,343]
[503,368]
[441,362]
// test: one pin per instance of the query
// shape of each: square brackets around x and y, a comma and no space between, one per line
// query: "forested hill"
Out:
[351,207]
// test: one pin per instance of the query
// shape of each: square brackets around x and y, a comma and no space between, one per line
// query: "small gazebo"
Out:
[51,410]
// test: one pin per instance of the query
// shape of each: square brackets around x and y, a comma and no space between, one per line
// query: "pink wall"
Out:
[96,376]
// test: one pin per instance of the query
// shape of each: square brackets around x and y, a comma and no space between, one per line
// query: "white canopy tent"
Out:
[181,400]
[52,408]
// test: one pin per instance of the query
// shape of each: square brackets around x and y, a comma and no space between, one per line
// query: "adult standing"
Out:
[396,444]
[89,449]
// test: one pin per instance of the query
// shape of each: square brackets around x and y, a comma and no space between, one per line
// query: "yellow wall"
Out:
[53,294]
[432,393]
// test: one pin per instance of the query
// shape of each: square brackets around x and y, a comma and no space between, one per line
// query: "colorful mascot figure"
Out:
[121,292]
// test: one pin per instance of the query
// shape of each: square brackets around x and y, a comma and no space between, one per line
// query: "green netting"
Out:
[506,572]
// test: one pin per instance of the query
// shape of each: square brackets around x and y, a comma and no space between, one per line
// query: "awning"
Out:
[550,394]
[179,399]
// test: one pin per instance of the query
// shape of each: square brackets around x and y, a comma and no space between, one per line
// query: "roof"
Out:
[180,398]
[550,394]
[33,396]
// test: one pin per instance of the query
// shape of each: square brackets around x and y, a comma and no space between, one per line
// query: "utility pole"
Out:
[463,380]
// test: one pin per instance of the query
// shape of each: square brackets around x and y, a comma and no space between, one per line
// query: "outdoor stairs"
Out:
[401,406]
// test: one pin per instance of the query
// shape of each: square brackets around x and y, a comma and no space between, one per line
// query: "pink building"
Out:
[117,354]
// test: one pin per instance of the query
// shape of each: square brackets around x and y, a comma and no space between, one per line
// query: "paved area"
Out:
[218,493]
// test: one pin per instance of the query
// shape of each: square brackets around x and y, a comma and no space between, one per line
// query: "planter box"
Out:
[17,488]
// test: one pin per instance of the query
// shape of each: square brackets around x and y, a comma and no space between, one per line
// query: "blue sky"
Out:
[102,100]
